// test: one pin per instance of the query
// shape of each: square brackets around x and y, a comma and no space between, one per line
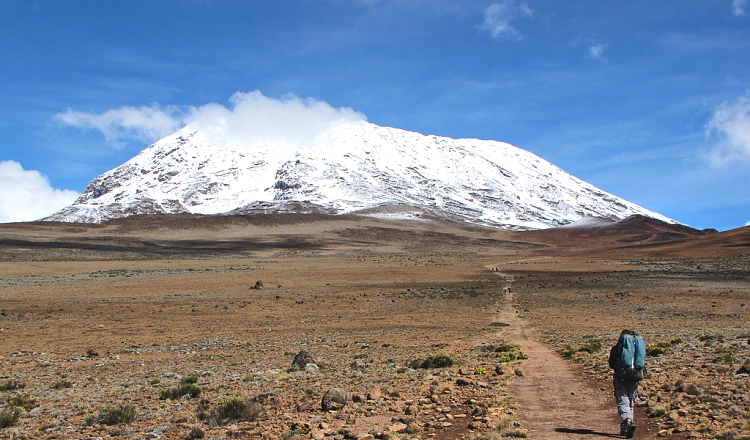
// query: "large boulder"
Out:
[334,399]
[301,360]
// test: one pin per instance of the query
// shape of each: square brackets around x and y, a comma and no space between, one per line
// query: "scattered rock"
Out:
[374,393]
[397,427]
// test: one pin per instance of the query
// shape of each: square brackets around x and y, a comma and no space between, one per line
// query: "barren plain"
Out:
[180,327]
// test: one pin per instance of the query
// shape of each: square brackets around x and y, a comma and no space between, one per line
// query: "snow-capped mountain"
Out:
[354,166]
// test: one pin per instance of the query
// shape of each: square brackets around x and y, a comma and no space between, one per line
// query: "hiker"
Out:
[627,359]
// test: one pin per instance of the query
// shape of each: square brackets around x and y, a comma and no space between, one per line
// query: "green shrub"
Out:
[195,432]
[654,350]
[8,417]
[506,348]
[117,414]
[499,324]
[440,361]
[11,385]
[592,344]
[190,378]
[183,389]
[512,356]
[236,408]
[26,402]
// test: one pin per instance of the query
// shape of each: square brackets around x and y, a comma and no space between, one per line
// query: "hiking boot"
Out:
[627,428]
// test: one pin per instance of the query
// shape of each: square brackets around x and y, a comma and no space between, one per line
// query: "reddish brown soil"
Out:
[157,298]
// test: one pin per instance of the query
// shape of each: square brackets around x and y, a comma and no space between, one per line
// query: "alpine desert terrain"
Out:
[353,327]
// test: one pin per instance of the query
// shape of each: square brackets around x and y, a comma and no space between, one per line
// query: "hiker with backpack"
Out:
[627,359]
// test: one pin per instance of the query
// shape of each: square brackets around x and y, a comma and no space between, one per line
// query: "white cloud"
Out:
[497,18]
[146,123]
[256,119]
[738,7]
[730,125]
[27,195]
[597,52]
[747,224]
[252,119]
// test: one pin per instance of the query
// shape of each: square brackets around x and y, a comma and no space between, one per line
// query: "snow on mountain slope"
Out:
[352,167]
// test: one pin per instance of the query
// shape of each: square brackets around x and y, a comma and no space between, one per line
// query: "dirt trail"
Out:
[554,401]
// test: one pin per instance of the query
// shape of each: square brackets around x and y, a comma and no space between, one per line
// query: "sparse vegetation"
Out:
[439,361]
[11,385]
[183,389]
[23,401]
[8,417]
[186,387]
[592,344]
[508,352]
[660,348]
[195,432]
[499,324]
[190,378]
[232,409]
[115,415]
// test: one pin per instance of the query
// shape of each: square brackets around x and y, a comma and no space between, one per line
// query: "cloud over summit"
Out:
[255,119]
[251,119]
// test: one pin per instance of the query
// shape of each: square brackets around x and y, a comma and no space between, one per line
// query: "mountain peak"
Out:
[354,166]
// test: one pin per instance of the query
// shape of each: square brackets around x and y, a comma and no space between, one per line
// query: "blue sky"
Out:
[647,100]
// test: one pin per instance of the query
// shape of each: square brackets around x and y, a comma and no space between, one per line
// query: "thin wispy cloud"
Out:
[498,17]
[27,195]
[144,123]
[596,52]
[251,119]
[738,7]
[730,128]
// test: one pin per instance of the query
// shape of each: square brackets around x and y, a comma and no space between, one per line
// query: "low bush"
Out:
[190,378]
[195,432]
[233,409]
[506,348]
[499,324]
[12,385]
[26,402]
[8,417]
[654,350]
[440,361]
[592,344]
[183,389]
[116,415]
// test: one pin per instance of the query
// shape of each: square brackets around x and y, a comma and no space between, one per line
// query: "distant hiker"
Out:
[627,359]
